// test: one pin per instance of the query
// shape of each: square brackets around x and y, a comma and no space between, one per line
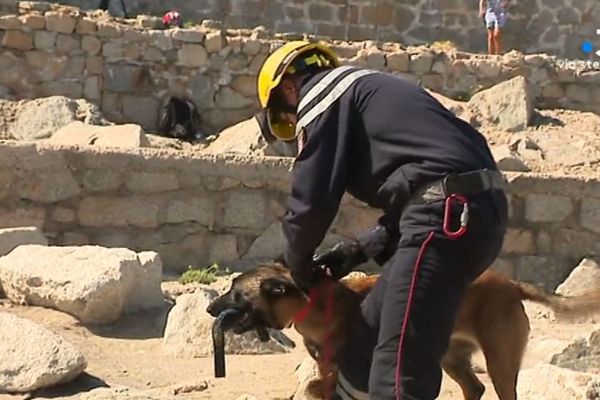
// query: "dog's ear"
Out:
[275,287]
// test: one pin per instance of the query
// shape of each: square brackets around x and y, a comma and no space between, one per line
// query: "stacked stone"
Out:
[195,210]
[554,222]
[129,70]
[555,26]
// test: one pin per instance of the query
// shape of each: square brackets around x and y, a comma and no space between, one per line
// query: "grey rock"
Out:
[507,105]
[188,331]
[584,277]
[40,118]
[94,284]
[582,355]
[80,134]
[34,357]
[508,160]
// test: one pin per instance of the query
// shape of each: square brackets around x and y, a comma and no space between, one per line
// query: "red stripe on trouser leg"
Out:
[411,292]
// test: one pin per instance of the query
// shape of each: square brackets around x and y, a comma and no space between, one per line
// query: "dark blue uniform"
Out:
[387,142]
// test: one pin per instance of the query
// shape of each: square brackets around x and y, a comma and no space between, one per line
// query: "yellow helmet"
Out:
[284,61]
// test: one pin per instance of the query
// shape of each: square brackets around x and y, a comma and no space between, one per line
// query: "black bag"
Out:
[179,118]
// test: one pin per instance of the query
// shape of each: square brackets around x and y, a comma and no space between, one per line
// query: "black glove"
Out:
[341,259]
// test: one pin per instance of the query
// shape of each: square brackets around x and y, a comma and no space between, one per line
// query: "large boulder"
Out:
[548,382]
[40,118]
[11,238]
[188,331]
[458,108]
[95,284]
[583,278]
[245,138]
[507,105]
[33,357]
[78,133]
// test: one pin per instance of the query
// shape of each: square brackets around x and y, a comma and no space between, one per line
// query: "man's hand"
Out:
[303,279]
[341,259]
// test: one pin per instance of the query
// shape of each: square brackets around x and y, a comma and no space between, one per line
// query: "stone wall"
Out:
[195,210]
[555,26]
[128,70]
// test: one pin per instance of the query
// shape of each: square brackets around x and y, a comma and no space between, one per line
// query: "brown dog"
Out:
[491,318]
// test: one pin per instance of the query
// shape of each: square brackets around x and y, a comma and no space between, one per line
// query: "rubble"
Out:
[581,355]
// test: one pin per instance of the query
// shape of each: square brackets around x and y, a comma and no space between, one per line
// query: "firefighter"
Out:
[388,143]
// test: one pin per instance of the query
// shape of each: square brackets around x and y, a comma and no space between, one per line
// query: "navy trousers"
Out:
[395,349]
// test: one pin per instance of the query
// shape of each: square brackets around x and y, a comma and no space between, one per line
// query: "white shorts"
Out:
[495,19]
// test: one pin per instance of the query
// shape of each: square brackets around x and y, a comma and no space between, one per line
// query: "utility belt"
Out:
[457,188]
[465,184]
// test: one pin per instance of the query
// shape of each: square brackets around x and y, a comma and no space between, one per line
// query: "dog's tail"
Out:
[585,304]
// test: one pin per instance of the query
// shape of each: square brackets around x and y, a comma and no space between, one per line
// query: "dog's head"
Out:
[264,297]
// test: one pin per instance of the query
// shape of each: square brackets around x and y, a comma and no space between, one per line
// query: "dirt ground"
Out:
[130,354]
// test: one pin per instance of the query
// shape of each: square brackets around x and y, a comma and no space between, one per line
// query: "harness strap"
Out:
[304,311]
[301,315]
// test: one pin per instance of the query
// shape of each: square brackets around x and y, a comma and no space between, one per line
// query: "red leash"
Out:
[464,219]
[328,319]
[303,313]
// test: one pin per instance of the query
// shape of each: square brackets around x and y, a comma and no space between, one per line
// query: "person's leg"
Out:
[501,19]
[497,40]
[423,292]
[421,301]
[356,358]
[491,42]
[489,24]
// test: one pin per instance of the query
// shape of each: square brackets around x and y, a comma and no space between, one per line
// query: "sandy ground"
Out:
[562,141]
[130,354]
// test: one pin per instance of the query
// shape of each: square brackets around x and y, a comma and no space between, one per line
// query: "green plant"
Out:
[206,275]
[189,24]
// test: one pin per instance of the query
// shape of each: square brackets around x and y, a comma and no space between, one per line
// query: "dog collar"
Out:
[304,311]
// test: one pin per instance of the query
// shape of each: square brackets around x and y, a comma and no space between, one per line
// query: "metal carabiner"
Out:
[464,216]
